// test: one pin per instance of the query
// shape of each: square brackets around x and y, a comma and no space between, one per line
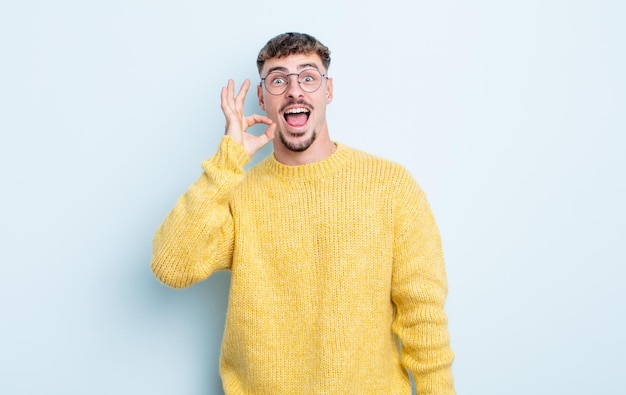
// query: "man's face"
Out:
[300,116]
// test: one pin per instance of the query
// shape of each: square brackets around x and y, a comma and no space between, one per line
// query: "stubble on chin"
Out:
[297,147]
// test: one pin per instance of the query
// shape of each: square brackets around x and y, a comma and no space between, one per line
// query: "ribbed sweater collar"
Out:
[317,170]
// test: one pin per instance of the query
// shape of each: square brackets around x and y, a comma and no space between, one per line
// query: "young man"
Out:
[338,281]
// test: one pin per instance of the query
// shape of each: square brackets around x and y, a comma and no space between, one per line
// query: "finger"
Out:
[241,96]
[265,138]
[230,89]
[227,98]
[270,132]
[257,118]
[224,102]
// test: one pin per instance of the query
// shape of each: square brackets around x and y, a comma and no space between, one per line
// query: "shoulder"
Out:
[390,176]
[377,166]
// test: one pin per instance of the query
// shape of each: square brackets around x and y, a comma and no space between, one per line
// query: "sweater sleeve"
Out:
[419,290]
[196,237]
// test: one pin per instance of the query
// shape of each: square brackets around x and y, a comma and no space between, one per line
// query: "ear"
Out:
[259,94]
[329,90]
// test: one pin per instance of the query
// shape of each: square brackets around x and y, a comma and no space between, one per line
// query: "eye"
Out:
[277,79]
[308,77]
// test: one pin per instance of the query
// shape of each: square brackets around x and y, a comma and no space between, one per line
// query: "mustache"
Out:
[301,103]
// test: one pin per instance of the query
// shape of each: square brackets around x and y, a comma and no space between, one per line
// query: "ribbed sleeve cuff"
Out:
[230,156]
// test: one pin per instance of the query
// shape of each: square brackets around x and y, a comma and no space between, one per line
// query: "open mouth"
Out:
[297,117]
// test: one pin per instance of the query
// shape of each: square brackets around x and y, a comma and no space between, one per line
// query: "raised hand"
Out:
[237,123]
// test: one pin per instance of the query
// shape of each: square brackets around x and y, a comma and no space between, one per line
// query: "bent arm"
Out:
[196,237]
[419,290]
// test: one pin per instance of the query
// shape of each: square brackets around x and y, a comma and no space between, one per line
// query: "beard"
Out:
[301,147]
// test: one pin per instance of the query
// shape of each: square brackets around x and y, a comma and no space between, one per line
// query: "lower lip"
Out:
[296,130]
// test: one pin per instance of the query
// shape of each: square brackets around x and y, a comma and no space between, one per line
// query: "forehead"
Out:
[293,63]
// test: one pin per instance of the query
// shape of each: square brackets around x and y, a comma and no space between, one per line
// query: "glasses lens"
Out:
[276,83]
[310,80]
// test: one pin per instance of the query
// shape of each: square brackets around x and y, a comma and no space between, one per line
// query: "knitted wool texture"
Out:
[332,263]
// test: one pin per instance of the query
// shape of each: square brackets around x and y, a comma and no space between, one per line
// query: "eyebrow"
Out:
[300,67]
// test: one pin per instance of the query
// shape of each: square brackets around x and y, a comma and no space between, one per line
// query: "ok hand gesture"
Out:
[237,123]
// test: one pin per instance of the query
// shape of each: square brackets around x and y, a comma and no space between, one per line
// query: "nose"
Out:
[293,88]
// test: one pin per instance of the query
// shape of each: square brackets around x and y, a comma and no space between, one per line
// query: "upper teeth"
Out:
[296,110]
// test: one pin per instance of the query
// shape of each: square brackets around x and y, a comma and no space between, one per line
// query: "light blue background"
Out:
[509,114]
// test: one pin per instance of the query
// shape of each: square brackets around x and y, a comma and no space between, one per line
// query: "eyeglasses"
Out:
[309,80]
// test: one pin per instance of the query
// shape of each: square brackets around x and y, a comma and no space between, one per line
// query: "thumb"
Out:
[268,135]
[252,143]
[270,132]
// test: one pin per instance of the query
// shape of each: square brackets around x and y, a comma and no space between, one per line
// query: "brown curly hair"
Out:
[286,44]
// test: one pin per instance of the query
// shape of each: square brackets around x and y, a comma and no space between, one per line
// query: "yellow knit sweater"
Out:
[332,263]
